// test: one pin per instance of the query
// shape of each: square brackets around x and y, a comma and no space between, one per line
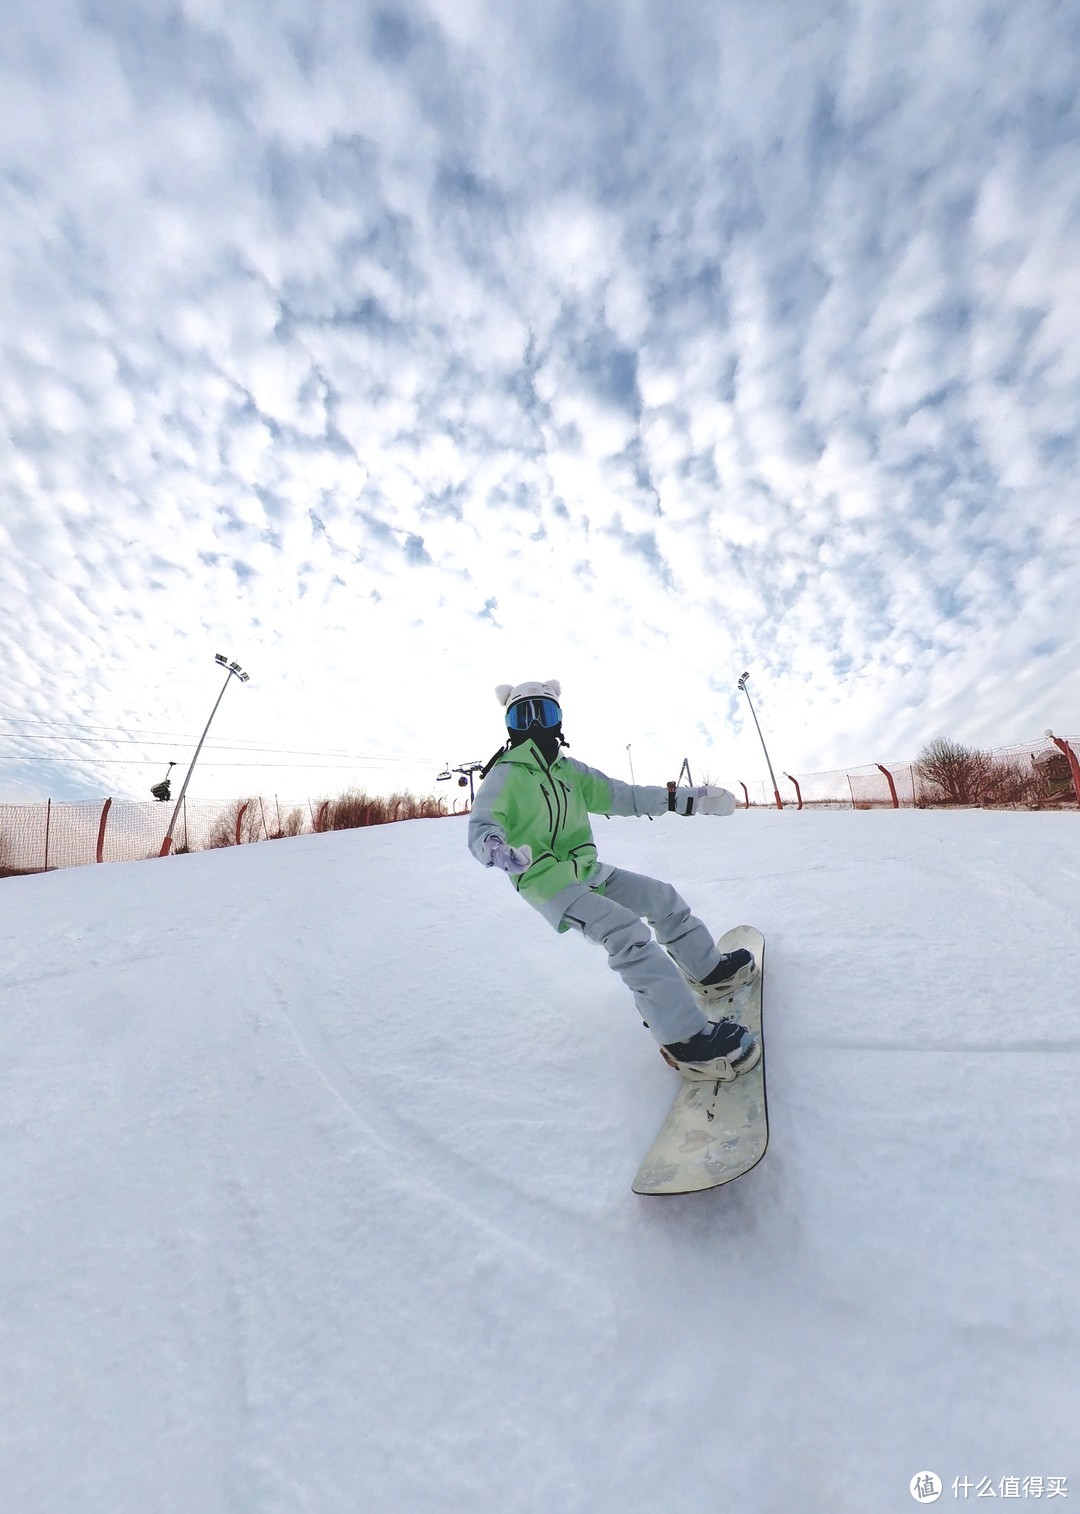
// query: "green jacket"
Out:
[526,802]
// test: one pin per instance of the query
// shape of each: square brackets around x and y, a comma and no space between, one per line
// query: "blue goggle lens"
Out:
[526,712]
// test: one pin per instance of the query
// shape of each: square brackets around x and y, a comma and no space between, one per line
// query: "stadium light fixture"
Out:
[233,670]
[776,791]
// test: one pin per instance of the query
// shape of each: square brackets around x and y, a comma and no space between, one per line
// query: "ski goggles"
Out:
[524,713]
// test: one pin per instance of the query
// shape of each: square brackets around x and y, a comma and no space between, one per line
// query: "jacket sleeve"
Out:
[489,811]
[609,796]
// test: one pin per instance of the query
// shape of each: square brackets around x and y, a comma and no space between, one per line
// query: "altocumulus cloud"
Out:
[404,350]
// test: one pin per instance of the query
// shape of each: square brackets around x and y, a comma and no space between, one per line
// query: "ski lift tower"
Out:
[467,770]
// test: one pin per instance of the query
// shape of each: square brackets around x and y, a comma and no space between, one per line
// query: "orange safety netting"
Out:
[39,837]
[888,785]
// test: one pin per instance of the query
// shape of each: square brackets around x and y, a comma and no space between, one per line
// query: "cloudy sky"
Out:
[397,351]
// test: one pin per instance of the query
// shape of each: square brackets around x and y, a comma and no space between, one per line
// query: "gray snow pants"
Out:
[615,920]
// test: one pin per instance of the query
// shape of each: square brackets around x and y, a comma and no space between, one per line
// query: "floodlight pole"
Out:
[233,670]
[764,748]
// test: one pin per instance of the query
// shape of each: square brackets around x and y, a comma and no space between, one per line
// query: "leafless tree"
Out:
[951,773]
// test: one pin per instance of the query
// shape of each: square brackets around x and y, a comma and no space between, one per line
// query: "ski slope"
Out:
[315,1164]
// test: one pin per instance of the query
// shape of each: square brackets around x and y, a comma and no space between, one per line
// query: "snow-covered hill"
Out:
[315,1164]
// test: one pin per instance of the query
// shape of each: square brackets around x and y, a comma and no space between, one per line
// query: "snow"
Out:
[315,1162]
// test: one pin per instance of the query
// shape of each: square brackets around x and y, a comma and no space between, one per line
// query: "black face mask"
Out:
[547,742]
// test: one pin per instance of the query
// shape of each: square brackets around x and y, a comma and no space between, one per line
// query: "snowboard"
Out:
[715,1131]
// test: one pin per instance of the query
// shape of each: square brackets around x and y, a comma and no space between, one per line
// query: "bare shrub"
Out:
[355,808]
[1011,784]
[348,811]
[277,823]
[239,821]
[291,823]
[951,773]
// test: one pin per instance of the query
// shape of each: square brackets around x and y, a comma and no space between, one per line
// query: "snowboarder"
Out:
[531,819]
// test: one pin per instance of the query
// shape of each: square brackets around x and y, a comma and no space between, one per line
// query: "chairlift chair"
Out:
[162,791]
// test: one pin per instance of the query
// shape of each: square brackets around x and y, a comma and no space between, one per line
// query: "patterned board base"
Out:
[715,1131]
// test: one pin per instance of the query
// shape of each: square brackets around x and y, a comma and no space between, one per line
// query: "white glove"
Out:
[512,859]
[704,801]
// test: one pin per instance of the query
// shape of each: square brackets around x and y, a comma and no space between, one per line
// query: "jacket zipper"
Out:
[561,813]
[553,815]
[565,801]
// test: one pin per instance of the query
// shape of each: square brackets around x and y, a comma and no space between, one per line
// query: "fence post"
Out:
[746,796]
[798,790]
[101,830]
[48,822]
[892,785]
[1071,758]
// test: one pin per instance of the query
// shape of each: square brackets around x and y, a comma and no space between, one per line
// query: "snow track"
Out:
[315,1158]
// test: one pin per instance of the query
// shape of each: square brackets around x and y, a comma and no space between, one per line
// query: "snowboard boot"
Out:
[731,972]
[717,1054]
